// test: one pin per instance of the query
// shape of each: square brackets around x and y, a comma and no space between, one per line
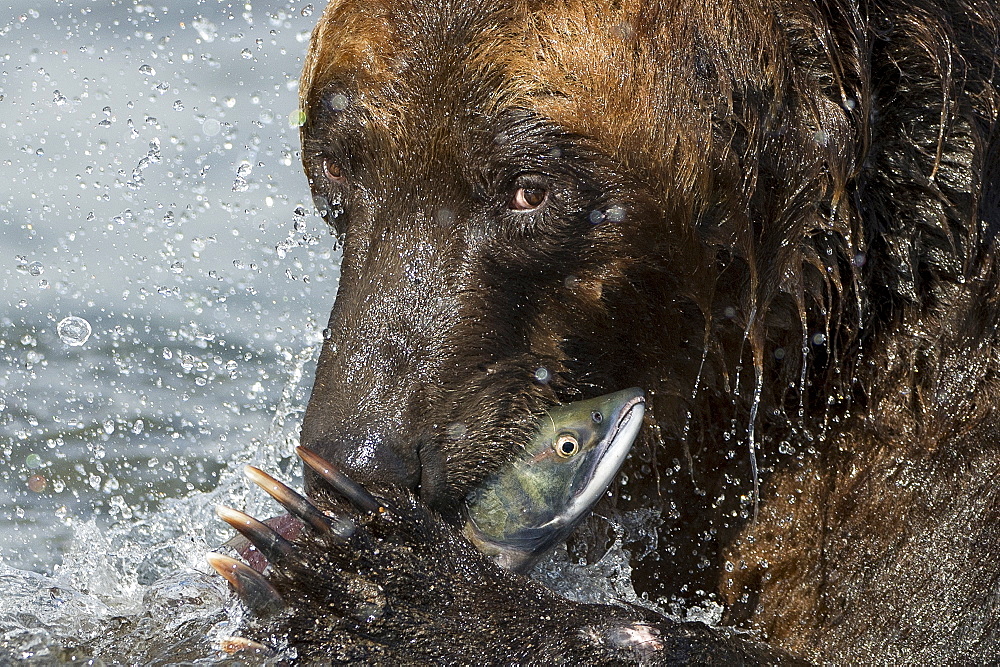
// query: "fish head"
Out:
[537,500]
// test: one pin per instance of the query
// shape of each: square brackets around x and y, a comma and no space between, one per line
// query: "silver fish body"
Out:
[534,503]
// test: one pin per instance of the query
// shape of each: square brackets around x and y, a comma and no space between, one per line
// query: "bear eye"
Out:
[566,446]
[531,193]
[528,199]
[597,417]
[333,172]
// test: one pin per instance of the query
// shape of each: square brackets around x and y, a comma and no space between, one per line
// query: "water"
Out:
[152,337]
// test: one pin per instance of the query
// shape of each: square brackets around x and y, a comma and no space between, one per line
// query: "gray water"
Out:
[155,193]
[126,127]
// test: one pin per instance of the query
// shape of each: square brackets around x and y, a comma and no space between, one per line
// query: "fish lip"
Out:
[586,500]
[626,416]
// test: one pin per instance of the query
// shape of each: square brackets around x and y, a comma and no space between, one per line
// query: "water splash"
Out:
[151,157]
[140,591]
[751,436]
[73,330]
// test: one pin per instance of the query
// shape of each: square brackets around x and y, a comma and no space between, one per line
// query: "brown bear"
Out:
[778,218]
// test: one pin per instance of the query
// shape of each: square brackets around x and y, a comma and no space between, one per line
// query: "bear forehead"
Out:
[599,70]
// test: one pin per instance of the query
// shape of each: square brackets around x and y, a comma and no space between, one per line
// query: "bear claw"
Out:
[353,492]
[252,587]
[296,504]
[268,542]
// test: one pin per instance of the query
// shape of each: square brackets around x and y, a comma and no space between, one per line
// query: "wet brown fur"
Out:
[805,270]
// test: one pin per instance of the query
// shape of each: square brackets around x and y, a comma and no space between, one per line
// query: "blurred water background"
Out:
[163,283]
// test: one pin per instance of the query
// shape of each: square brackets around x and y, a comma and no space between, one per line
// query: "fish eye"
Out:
[597,417]
[566,445]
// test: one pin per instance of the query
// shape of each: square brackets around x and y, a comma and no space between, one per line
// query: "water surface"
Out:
[157,209]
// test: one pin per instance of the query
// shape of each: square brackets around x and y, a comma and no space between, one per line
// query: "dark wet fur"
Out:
[406,588]
[804,282]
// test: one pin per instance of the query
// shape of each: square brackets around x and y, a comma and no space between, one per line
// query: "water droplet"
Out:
[247,54]
[74,330]
[240,184]
[211,127]
[444,217]
[37,483]
[615,213]
[206,29]
[178,105]
[147,70]
[59,98]
[307,10]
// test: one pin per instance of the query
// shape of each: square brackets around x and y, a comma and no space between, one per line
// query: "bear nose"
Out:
[371,459]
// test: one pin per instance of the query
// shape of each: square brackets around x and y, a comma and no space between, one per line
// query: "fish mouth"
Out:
[613,450]
[626,414]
